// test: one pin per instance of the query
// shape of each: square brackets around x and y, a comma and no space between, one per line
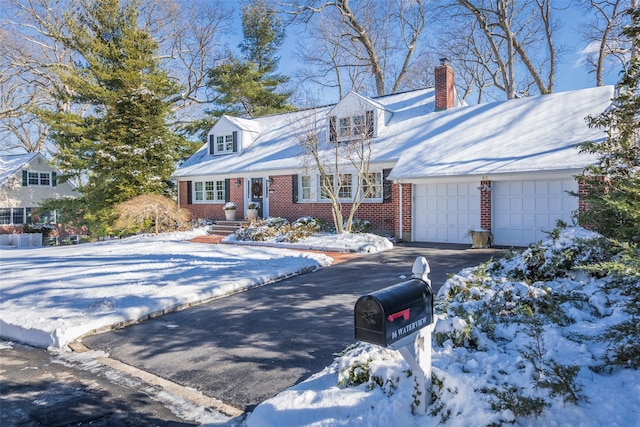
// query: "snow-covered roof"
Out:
[243,124]
[520,135]
[529,134]
[10,164]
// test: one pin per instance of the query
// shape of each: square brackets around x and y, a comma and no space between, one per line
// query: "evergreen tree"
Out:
[114,139]
[614,182]
[248,86]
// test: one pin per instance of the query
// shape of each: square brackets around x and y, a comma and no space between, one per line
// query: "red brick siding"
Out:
[381,215]
[213,211]
[407,191]
[485,204]
[583,190]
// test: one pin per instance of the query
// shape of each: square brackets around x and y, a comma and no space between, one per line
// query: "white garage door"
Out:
[445,212]
[523,210]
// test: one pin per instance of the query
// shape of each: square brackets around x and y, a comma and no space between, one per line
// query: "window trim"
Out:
[37,178]
[208,191]
[223,143]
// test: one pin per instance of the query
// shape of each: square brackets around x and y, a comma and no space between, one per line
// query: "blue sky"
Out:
[569,74]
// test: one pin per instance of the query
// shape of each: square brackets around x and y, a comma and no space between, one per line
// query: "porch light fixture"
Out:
[484,187]
[238,183]
[270,181]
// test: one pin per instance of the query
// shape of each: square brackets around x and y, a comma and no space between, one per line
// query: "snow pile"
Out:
[54,295]
[546,337]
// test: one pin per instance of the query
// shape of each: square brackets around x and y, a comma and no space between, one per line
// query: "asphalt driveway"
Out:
[247,347]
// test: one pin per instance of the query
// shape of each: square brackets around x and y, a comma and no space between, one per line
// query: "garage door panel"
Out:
[446,212]
[522,217]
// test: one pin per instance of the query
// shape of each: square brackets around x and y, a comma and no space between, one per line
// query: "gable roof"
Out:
[10,164]
[520,135]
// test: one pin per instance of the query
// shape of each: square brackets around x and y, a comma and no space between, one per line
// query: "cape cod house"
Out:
[25,181]
[441,169]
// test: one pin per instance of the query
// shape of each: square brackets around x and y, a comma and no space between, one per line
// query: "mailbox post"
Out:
[401,317]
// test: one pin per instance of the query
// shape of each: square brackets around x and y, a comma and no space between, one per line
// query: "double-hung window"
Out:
[350,128]
[372,186]
[345,186]
[305,187]
[326,181]
[5,216]
[13,216]
[17,215]
[224,143]
[208,191]
[41,179]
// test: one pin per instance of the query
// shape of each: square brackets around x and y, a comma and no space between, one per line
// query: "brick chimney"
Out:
[445,91]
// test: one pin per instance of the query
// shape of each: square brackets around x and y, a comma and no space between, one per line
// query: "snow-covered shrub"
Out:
[373,367]
[623,289]
[279,229]
[542,308]
[359,225]
[261,229]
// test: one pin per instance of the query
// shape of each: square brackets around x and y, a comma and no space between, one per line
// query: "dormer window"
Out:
[223,143]
[349,128]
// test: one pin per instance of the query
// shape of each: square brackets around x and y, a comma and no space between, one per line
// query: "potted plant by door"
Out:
[252,210]
[230,211]
[480,238]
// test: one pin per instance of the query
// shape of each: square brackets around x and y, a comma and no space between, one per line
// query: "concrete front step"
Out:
[224,228]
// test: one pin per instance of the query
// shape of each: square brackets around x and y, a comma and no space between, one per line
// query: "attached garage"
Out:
[523,210]
[445,212]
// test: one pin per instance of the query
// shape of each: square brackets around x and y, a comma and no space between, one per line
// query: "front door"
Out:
[257,194]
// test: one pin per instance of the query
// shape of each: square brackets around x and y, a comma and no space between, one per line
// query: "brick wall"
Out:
[584,189]
[381,215]
[485,204]
[213,211]
[405,233]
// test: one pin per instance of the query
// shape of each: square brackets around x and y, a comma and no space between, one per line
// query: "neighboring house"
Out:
[442,169]
[25,181]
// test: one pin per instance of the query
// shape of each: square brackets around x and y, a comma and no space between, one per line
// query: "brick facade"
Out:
[485,204]
[381,215]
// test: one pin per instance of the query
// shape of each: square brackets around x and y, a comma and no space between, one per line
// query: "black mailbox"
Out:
[394,314]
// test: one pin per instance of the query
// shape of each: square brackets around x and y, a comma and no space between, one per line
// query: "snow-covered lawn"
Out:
[517,342]
[54,295]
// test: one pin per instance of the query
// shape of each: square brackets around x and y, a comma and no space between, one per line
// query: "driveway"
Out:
[248,347]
